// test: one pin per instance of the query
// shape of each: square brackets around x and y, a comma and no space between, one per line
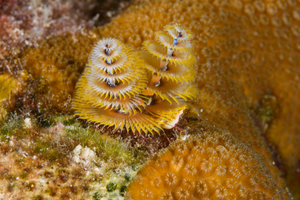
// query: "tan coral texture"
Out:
[246,51]
[248,58]
[210,165]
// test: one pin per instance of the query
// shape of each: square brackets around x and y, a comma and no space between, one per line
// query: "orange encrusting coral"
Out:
[251,48]
[246,50]
[208,165]
[54,68]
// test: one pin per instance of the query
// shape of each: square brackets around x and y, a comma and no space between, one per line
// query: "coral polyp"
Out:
[248,58]
[134,90]
[207,165]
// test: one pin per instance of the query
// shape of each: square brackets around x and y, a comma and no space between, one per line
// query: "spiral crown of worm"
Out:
[142,91]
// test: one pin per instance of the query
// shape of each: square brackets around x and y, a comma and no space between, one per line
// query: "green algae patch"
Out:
[11,126]
[105,146]
[74,132]
[56,143]
[111,186]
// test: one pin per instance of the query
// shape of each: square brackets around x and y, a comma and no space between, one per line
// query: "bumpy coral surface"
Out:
[26,22]
[210,165]
[246,51]
[56,67]
[248,64]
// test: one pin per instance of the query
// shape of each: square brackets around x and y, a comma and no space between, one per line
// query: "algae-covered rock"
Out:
[63,160]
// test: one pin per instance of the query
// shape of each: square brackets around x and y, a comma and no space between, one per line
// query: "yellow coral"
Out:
[210,165]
